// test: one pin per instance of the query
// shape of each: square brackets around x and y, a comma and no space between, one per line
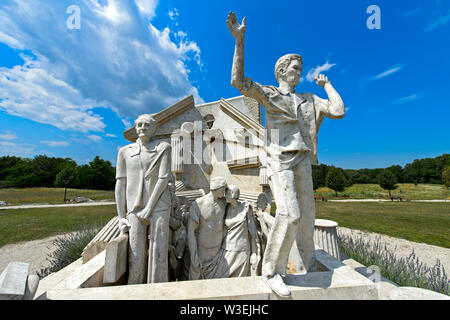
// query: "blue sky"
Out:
[72,92]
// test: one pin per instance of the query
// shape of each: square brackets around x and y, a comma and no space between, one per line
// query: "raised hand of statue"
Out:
[321,80]
[236,29]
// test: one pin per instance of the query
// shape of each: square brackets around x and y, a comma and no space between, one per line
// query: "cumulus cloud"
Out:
[118,59]
[55,143]
[312,73]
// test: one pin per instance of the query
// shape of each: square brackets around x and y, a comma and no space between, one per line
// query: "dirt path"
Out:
[403,248]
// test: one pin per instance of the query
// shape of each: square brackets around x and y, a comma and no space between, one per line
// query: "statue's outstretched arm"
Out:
[238,32]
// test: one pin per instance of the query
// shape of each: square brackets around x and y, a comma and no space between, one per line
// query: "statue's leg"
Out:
[158,250]
[137,253]
[283,231]
[305,234]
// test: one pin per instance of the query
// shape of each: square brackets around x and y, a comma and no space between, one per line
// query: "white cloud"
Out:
[412,12]
[437,22]
[386,73]
[8,136]
[110,135]
[8,148]
[312,73]
[116,60]
[94,137]
[173,14]
[55,143]
[409,98]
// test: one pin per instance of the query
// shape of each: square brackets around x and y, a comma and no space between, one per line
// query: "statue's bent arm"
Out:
[333,107]
[163,181]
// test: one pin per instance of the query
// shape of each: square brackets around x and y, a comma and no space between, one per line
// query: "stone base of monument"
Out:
[332,280]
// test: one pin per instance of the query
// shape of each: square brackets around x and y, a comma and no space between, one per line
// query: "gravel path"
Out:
[32,252]
[403,248]
[35,252]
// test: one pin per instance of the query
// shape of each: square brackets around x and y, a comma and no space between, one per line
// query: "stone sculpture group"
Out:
[220,236]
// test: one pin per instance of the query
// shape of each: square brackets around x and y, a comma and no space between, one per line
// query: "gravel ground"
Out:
[35,252]
[403,248]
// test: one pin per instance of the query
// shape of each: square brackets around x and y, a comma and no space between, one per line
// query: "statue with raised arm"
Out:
[292,121]
[143,202]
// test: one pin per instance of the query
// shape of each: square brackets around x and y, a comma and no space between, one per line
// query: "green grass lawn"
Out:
[407,191]
[50,195]
[420,222]
[32,224]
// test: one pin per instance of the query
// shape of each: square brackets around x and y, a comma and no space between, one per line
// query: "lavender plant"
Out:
[68,248]
[409,271]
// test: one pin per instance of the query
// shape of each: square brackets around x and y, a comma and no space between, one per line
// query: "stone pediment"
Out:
[172,117]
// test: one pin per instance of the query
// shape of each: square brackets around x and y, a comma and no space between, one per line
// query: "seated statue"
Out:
[241,246]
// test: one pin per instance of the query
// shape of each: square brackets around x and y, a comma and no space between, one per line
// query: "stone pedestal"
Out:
[325,237]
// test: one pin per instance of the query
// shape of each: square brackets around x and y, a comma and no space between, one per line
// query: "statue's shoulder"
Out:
[163,145]
[128,148]
[272,90]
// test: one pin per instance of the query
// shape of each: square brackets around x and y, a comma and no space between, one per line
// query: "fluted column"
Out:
[325,237]
[177,156]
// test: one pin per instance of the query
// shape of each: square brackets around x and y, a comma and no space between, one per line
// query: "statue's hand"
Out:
[321,80]
[143,216]
[124,225]
[237,30]
[254,260]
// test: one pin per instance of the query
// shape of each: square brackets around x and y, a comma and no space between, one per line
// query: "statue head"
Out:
[145,126]
[232,194]
[288,68]
[218,187]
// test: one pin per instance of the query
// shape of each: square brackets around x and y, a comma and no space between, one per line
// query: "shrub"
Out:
[409,272]
[68,248]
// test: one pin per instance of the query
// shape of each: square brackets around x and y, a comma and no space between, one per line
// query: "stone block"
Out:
[13,281]
[116,259]
[31,287]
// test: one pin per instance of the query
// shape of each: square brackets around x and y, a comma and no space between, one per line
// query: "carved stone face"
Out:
[293,72]
[144,128]
[219,193]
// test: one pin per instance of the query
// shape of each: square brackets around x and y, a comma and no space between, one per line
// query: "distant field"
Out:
[32,224]
[416,221]
[50,195]
[407,191]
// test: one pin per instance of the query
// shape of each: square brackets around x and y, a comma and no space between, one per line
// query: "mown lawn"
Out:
[407,191]
[420,222]
[32,224]
[50,195]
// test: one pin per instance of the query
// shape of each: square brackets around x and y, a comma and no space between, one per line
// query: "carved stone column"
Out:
[177,156]
[325,236]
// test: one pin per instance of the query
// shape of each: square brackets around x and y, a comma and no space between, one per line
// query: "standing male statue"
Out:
[206,231]
[292,122]
[144,202]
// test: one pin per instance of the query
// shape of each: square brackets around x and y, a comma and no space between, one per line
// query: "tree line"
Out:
[44,171]
[427,170]
[99,174]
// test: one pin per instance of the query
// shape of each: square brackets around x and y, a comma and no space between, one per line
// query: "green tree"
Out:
[65,178]
[102,174]
[335,180]
[446,176]
[387,181]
